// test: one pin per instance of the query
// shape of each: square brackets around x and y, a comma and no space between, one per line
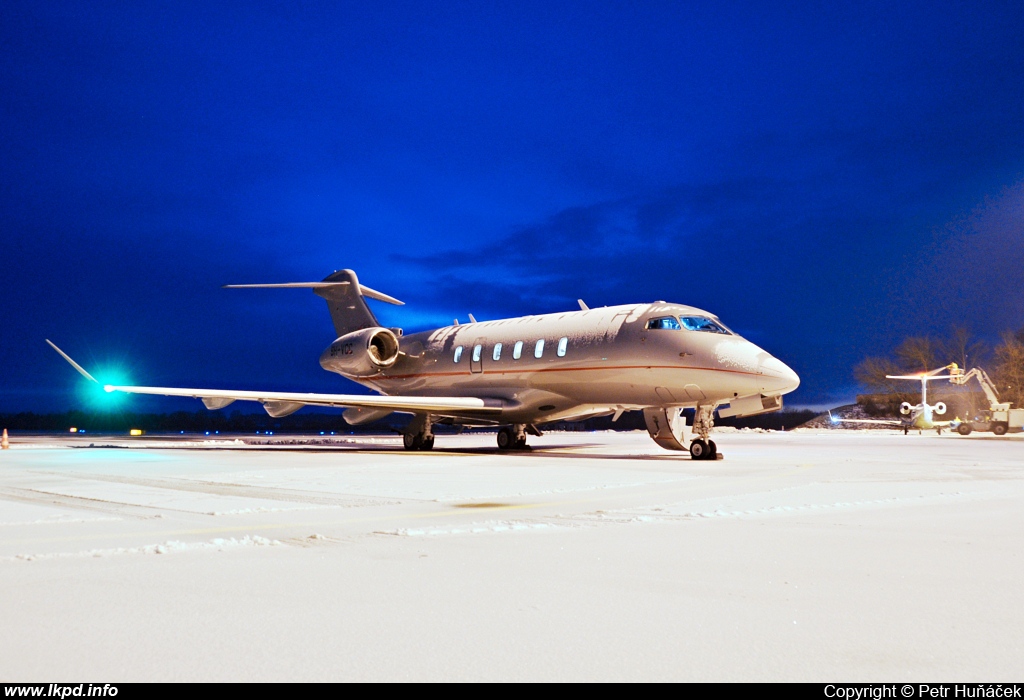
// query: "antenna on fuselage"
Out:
[472,318]
[583,305]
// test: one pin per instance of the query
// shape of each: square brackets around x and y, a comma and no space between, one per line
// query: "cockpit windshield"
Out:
[703,323]
[666,323]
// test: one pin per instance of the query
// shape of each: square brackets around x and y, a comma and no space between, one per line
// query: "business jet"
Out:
[518,374]
[918,417]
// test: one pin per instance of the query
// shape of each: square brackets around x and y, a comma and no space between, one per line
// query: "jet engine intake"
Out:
[361,353]
[939,408]
[906,408]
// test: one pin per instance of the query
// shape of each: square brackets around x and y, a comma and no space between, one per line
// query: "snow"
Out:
[809,555]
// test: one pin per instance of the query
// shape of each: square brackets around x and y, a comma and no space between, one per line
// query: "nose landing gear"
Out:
[702,447]
[699,449]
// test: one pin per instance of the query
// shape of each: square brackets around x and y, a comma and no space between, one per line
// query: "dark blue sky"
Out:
[826,180]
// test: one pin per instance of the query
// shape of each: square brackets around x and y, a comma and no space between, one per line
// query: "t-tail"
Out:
[345,299]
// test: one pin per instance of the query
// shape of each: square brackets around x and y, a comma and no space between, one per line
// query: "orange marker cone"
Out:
[4,442]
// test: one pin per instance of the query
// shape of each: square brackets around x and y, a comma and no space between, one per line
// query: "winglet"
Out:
[73,363]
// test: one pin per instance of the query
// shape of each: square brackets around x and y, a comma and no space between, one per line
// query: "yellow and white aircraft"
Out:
[920,417]
[520,373]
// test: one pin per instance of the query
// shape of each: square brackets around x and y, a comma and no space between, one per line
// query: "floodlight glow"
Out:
[108,388]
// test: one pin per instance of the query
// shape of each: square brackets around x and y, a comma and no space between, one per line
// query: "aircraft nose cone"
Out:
[781,377]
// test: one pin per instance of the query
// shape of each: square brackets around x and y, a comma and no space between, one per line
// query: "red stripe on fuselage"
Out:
[562,369]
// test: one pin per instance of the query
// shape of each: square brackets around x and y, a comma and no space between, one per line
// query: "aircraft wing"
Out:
[867,420]
[836,419]
[282,403]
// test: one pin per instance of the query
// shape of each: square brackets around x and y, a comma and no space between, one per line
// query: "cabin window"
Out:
[458,353]
[702,323]
[477,349]
[563,344]
[538,349]
[496,355]
[666,323]
[517,350]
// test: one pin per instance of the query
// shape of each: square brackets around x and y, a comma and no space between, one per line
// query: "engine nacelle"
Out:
[361,353]
[906,408]
[939,408]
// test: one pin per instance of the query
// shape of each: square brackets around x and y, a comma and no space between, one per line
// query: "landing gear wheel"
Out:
[964,429]
[412,441]
[999,428]
[712,449]
[521,442]
[699,449]
[428,443]
[506,440]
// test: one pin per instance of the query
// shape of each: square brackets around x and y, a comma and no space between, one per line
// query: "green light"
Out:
[100,395]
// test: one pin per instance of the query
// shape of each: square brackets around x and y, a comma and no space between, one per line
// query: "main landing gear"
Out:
[417,435]
[513,437]
[419,441]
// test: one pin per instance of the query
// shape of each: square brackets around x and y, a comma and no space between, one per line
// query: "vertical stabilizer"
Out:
[345,302]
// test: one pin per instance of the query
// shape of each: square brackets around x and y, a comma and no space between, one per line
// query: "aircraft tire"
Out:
[999,428]
[964,428]
[712,449]
[411,441]
[506,440]
[699,450]
[521,443]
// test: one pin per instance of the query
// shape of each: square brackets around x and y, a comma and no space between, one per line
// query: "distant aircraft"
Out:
[520,373]
[921,416]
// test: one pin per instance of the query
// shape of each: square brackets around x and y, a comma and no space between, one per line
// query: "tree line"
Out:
[1004,363]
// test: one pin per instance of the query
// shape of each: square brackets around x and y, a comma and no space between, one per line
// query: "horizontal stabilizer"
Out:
[363,289]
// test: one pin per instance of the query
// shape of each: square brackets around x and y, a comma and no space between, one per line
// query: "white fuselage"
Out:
[592,362]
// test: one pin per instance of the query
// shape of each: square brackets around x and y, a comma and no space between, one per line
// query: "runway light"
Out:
[135,432]
[74,430]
